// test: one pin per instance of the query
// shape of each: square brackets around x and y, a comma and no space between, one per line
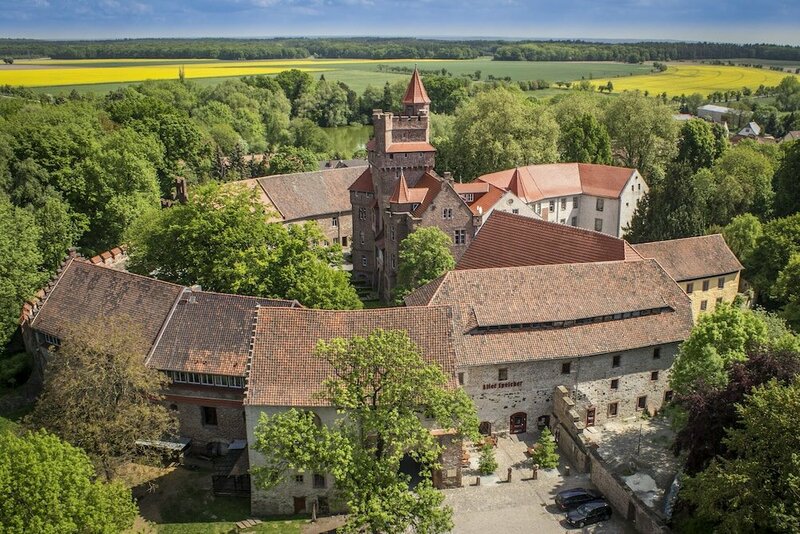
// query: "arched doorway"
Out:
[518,423]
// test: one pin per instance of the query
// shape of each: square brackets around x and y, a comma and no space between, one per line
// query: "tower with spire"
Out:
[393,195]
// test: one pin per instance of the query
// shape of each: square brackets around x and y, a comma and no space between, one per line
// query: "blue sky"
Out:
[776,21]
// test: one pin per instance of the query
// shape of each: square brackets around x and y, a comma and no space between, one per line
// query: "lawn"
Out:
[687,78]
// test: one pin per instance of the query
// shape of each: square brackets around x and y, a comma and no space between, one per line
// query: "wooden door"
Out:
[590,416]
[519,423]
[299,505]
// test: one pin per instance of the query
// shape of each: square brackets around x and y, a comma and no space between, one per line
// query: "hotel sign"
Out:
[502,385]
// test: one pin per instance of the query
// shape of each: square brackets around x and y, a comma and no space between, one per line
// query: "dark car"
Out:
[569,499]
[590,512]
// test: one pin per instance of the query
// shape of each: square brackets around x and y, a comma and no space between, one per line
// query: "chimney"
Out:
[480,210]
[448,176]
[181,190]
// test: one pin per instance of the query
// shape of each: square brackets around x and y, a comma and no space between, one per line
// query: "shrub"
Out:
[488,463]
[545,454]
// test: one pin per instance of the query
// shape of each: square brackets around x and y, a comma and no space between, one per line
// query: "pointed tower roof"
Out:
[517,185]
[415,93]
[400,195]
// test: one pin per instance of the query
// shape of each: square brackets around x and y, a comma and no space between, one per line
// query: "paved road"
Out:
[520,507]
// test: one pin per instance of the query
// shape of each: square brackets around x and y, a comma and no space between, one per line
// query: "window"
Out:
[631,187]
[209,415]
[668,395]
[335,221]
[654,375]
[574,202]
[721,282]
[641,402]
[361,237]
[447,213]
[552,206]
[394,261]
[363,261]
[344,241]
[615,383]
[703,305]
[563,221]
[574,221]
[563,203]
[566,368]
[538,209]
[705,285]
[298,479]
[719,300]
[690,287]
[393,232]
[639,187]
[613,409]
[319,481]
[600,204]
[515,211]
[657,353]
[469,197]
[207,380]
[51,340]
[502,374]
[616,360]
[414,206]
[460,237]
[362,214]
[460,379]
[598,225]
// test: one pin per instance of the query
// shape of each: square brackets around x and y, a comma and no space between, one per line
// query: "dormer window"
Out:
[469,197]
[414,206]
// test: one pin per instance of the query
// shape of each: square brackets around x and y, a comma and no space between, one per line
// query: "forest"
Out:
[391,48]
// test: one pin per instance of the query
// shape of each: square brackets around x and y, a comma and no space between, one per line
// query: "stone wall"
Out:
[343,229]
[529,385]
[187,403]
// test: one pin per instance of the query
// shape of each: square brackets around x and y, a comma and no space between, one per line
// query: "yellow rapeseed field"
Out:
[45,73]
[704,79]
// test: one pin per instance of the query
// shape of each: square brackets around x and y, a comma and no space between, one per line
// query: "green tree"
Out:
[545,454]
[49,486]
[424,256]
[786,182]
[500,129]
[60,230]
[697,145]
[585,141]
[643,132]
[306,134]
[756,489]
[327,105]
[787,94]
[381,387]
[227,245]
[100,396]
[20,264]
[487,463]
[787,290]
[742,235]
[290,159]
[295,83]
[781,239]
[718,339]
[446,93]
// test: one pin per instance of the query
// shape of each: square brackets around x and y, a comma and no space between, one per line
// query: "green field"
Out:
[358,74]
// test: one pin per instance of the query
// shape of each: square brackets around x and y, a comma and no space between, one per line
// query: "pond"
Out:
[347,139]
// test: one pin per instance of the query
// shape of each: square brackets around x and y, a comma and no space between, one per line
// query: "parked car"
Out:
[590,512]
[572,498]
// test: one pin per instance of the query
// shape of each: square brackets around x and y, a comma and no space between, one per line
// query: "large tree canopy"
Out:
[99,395]
[499,129]
[383,388]
[49,486]
[586,141]
[221,240]
[424,256]
[787,180]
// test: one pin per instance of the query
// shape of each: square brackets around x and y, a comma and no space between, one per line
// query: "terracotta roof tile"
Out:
[692,257]
[494,297]
[284,370]
[471,187]
[395,148]
[311,194]
[508,240]
[487,201]
[88,292]
[363,183]
[209,333]
[537,182]
[415,92]
[432,187]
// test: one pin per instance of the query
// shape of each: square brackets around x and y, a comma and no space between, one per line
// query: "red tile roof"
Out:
[472,187]
[486,201]
[537,182]
[519,297]
[415,93]
[284,370]
[693,257]
[209,333]
[363,183]
[432,186]
[508,240]
[395,148]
